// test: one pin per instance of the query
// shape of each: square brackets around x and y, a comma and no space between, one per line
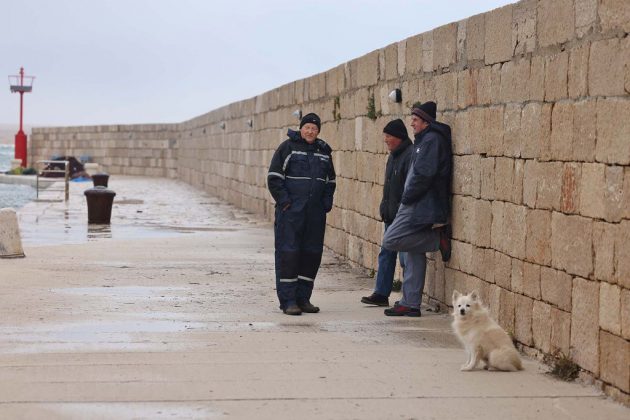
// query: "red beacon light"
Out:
[21,84]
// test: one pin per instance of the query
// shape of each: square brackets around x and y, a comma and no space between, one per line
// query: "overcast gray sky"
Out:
[145,61]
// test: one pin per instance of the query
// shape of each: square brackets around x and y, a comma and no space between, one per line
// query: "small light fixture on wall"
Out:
[297,114]
[222,125]
[250,123]
[395,95]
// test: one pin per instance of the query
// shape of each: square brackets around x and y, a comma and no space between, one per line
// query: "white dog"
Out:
[481,336]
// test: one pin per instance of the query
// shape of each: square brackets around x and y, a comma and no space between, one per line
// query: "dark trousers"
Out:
[299,243]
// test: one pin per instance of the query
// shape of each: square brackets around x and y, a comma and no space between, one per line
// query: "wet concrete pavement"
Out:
[172,314]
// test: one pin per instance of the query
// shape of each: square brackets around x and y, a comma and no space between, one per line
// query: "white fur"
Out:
[481,336]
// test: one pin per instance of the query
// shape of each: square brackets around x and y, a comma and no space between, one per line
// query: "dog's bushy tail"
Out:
[505,359]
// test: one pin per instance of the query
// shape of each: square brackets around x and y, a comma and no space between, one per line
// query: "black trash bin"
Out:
[99,202]
[100,179]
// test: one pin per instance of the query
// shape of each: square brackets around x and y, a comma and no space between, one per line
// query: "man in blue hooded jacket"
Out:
[425,206]
[301,180]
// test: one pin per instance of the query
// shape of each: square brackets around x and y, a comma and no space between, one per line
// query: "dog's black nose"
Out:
[462,311]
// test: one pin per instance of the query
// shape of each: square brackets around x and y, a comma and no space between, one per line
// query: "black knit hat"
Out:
[426,111]
[311,118]
[397,129]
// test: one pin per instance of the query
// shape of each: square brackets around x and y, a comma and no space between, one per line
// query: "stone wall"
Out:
[148,149]
[538,96]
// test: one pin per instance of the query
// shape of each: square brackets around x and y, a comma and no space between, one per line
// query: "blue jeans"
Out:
[386,269]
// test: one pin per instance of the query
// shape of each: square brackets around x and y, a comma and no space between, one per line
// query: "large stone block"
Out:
[556,76]
[625,313]
[606,73]
[585,324]
[615,360]
[413,55]
[499,45]
[483,219]
[335,81]
[613,131]
[475,37]
[466,90]
[585,16]
[614,15]
[446,91]
[604,250]
[462,256]
[445,46]
[567,252]
[512,130]
[560,331]
[523,320]
[524,26]
[493,129]
[541,326]
[537,246]
[578,71]
[535,128]
[504,179]
[602,191]
[549,184]
[427,52]
[610,307]
[515,83]
[391,62]
[502,270]
[531,280]
[561,144]
[507,306]
[10,239]
[584,130]
[488,82]
[487,178]
[556,22]
[467,175]
[462,137]
[555,287]
[367,70]
[401,46]
[461,41]
[570,199]
[622,254]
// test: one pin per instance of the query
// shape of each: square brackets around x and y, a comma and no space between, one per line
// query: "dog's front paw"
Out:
[466,367]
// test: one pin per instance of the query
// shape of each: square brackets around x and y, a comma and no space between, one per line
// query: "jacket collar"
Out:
[401,147]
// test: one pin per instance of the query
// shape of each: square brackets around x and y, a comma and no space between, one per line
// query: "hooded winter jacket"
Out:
[428,185]
[301,173]
[395,174]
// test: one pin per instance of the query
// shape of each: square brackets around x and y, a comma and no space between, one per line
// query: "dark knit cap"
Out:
[426,111]
[311,118]
[397,129]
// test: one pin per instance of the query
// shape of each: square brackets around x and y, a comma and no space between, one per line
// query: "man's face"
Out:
[418,124]
[309,132]
[391,142]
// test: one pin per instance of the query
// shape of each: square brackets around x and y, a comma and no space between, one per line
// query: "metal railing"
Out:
[65,171]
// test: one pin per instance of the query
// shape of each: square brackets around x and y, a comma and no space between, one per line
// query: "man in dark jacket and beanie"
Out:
[425,204]
[400,151]
[301,180]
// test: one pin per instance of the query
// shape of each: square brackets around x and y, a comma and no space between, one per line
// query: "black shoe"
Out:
[445,242]
[308,307]
[375,299]
[399,310]
[292,309]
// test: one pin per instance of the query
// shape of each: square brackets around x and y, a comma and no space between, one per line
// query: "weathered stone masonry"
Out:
[538,96]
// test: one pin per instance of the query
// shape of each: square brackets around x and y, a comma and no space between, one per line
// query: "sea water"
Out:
[12,195]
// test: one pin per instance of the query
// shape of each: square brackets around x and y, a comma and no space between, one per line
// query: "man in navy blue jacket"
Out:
[425,205]
[301,180]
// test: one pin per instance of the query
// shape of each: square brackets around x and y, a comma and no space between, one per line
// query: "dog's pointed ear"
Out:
[456,295]
[474,295]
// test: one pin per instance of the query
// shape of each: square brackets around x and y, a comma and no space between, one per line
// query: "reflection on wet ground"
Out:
[176,209]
